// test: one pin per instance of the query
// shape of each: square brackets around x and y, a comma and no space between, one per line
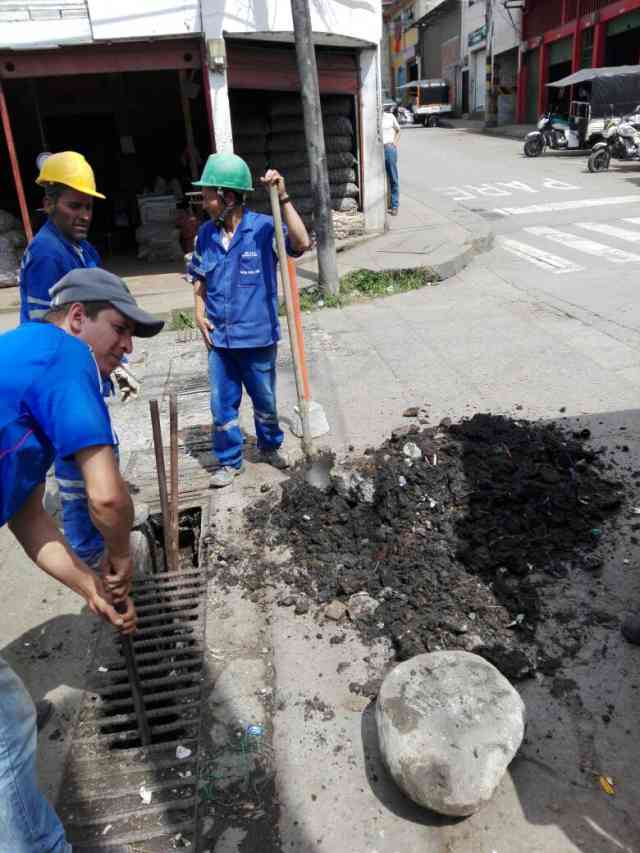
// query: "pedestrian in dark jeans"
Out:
[390,138]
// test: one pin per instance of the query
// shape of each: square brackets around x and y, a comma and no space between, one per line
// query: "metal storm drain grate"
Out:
[114,790]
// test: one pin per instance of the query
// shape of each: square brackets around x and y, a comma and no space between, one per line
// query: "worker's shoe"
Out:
[394,211]
[274,458]
[224,476]
[631,629]
[44,710]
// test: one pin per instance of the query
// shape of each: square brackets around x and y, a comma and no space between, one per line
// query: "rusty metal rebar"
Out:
[162,483]
[173,475]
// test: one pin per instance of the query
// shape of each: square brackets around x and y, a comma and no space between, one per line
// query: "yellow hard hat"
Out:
[72,170]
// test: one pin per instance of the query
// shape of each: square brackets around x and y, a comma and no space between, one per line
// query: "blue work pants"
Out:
[229,371]
[28,824]
[391,165]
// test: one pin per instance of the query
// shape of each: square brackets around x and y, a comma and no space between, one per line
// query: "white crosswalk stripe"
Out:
[611,231]
[573,204]
[545,260]
[577,245]
[581,244]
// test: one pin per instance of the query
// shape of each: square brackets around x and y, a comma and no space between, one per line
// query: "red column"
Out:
[15,167]
[543,73]
[599,38]
[575,48]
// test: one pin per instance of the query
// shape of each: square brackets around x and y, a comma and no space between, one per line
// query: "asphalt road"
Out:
[560,231]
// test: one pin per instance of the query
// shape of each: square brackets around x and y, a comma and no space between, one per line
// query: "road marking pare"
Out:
[468,192]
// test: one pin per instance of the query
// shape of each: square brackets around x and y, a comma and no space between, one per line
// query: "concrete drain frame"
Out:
[115,791]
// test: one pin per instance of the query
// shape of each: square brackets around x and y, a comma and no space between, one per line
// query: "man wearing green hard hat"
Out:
[236,307]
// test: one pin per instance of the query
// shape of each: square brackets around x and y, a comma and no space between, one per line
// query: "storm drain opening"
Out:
[115,791]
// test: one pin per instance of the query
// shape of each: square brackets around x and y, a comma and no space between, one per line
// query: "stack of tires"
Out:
[287,151]
[250,143]
[12,243]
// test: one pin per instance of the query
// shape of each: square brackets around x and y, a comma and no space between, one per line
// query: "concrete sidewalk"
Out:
[419,237]
[509,131]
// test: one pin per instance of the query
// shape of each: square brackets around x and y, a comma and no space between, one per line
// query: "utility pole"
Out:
[491,107]
[314,134]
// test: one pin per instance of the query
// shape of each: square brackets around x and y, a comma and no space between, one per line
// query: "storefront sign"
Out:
[476,37]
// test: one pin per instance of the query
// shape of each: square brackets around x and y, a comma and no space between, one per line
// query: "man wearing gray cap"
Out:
[51,404]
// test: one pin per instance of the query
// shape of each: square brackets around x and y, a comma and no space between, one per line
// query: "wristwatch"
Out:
[284,198]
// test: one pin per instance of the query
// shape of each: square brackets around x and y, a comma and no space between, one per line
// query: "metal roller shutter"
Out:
[274,66]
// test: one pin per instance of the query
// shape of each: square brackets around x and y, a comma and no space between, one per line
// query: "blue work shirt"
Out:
[50,404]
[241,281]
[46,259]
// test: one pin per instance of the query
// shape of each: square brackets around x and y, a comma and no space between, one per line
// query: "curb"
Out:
[454,262]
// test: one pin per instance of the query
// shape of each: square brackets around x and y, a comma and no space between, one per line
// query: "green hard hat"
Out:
[226,170]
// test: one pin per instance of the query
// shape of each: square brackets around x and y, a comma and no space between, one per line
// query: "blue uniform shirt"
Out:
[241,282]
[50,404]
[46,259]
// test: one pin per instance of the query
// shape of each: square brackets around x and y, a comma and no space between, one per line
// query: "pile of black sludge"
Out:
[459,532]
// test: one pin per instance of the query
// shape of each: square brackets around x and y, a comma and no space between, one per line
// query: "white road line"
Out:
[580,244]
[545,260]
[610,231]
[567,205]
[634,220]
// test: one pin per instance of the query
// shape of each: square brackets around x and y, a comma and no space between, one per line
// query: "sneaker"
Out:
[275,459]
[394,211]
[224,476]
[44,710]
[631,629]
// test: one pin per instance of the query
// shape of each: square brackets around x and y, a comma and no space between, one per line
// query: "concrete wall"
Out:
[434,34]
[472,18]
[118,19]
[507,28]
[351,18]
[372,152]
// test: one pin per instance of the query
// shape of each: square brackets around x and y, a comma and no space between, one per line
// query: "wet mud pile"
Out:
[459,536]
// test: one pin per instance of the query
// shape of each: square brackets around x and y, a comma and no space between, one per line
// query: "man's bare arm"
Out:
[38,534]
[111,511]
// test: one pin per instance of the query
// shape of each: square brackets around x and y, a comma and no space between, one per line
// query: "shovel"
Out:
[316,468]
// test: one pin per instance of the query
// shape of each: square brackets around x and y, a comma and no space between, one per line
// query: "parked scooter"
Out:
[621,141]
[404,116]
[553,132]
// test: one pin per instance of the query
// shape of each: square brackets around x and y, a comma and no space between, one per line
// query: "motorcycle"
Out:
[621,141]
[553,132]
[404,116]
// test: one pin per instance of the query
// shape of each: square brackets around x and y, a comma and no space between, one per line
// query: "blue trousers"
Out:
[391,165]
[229,371]
[28,824]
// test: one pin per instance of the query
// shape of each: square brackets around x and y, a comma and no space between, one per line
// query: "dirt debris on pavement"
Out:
[466,535]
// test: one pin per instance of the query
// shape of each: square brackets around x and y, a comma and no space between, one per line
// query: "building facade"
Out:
[147,90]
[563,36]
[473,44]
[439,40]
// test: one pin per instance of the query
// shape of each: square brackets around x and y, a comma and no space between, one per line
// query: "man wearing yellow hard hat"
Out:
[61,244]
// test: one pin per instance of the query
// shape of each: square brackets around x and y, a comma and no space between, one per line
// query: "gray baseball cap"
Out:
[97,285]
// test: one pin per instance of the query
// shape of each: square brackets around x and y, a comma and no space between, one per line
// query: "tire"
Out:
[432,121]
[533,147]
[599,160]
